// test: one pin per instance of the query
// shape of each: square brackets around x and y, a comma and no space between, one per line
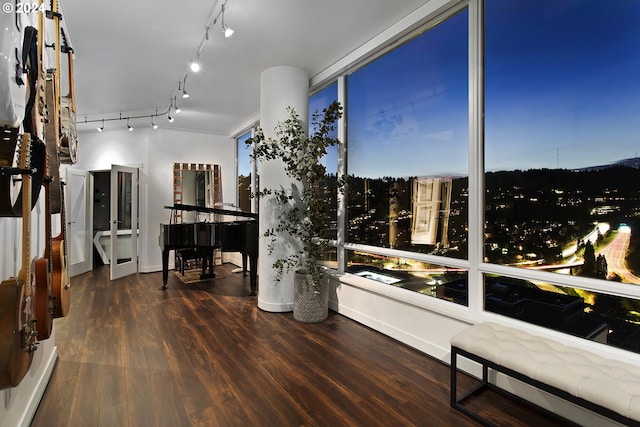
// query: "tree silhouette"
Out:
[589,266]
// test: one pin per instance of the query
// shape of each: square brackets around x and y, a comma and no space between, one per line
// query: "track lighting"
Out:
[130,127]
[228,32]
[213,19]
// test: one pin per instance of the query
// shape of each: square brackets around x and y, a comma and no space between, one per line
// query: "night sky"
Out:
[562,90]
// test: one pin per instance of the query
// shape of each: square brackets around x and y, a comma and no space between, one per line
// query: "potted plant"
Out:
[301,213]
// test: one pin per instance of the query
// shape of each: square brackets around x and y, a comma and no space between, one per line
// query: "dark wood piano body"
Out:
[239,235]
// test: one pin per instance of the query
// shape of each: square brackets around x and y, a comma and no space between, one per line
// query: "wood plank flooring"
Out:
[203,354]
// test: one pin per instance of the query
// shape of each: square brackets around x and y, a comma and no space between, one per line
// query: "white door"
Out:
[79,222]
[124,221]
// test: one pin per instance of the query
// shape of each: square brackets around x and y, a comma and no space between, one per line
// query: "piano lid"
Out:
[179,206]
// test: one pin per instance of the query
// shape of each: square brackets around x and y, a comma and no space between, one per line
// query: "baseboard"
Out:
[39,389]
[418,343]
[274,307]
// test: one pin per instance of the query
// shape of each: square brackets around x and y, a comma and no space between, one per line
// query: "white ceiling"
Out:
[130,55]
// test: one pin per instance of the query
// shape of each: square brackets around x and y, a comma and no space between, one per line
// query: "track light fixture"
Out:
[101,128]
[185,95]
[153,125]
[177,109]
[128,126]
[228,32]
[169,113]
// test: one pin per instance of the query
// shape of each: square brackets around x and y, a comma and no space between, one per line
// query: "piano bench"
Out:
[184,255]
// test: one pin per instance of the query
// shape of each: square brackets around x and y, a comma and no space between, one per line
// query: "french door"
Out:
[78,222]
[124,221]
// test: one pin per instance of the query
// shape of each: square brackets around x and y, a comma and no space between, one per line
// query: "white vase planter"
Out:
[310,304]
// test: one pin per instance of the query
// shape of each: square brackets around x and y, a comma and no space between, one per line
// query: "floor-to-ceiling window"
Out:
[501,155]
[562,173]
[317,103]
[407,115]
[244,172]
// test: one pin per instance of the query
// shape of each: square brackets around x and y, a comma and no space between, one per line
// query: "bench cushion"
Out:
[609,383]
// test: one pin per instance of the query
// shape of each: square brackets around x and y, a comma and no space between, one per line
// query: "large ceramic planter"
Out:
[310,304]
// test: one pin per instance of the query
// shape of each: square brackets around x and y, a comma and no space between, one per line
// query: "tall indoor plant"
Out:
[302,216]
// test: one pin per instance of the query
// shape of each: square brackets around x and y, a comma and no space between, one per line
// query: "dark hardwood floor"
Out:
[203,354]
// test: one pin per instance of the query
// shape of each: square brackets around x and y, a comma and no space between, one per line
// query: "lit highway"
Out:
[615,252]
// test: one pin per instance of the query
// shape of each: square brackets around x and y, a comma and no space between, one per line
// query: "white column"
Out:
[280,87]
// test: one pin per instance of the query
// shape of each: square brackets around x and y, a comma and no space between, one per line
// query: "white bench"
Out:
[608,387]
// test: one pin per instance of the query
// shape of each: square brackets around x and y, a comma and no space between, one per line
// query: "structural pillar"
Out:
[280,87]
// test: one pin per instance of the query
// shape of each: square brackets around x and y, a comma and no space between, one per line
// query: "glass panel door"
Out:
[124,221]
[78,244]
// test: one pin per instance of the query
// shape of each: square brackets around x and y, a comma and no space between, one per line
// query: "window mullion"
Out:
[476,163]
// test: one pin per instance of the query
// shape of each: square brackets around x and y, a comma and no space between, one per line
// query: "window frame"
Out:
[475,265]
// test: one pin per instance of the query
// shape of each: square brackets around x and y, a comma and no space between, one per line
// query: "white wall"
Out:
[155,151]
[18,404]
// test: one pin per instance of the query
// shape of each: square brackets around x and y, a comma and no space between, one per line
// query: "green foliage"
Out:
[303,216]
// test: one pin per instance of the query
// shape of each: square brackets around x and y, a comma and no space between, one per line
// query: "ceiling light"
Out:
[153,125]
[195,64]
[129,127]
[101,128]
[228,32]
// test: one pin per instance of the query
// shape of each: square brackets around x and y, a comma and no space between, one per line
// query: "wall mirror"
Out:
[196,184]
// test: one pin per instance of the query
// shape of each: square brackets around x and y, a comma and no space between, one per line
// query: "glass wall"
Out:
[561,147]
[510,168]
[408,145]
[317,103]
[244,172]
[407,164]
[562,172]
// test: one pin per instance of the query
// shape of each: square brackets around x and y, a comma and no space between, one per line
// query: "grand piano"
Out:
[240,234]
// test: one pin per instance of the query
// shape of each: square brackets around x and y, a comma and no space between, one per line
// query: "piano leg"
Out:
[207,265]
[165,268]
[253,273]
[244,264]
